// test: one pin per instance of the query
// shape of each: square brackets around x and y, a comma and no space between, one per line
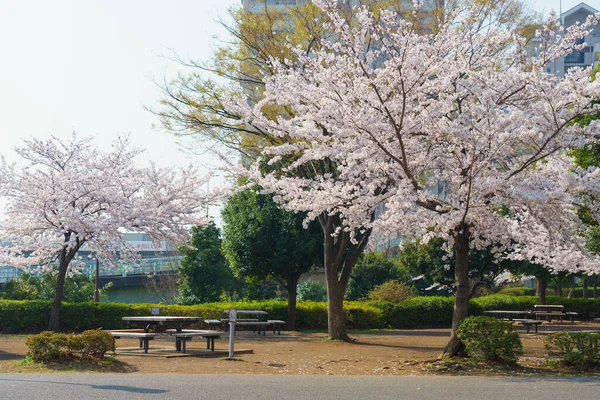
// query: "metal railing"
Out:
[148,266]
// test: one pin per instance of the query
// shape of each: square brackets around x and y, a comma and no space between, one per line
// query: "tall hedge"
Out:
[417,312]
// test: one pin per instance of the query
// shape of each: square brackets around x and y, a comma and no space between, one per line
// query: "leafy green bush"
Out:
[490,339]
[518,291]
[48,346]
[312,291]
[576,349]
[416,312]
[52,346]
[92,344]
[392,291]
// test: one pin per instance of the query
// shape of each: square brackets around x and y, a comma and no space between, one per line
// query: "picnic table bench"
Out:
[277,325]
[507,314]
[528,323]
[213,324]
[553,311]
[144,337]
[187,334]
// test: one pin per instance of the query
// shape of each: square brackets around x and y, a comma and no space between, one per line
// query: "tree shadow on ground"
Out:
[400,347]
[122,388]
[10,356]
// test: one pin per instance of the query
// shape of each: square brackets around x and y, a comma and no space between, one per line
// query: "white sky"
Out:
[89,65]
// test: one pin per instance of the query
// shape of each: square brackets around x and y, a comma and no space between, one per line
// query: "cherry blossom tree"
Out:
[460,132]
[67,194]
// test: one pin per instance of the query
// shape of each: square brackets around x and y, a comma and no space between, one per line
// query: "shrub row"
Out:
[525,291]
[586,308]
[52,346]
[417,312]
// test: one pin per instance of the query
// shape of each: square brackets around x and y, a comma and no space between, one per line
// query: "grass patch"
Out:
[232,359]
[109,364]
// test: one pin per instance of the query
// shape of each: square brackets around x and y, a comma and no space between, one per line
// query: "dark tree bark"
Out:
[455,347]
[586,282]
[292,289]
[340,255]
[66,255]
[542,285]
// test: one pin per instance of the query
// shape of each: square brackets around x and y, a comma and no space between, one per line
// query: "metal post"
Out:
[231,336]
[97,291]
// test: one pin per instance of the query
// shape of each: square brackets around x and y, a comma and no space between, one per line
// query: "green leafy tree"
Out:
[204,271]
[262,241]
[372,269]
[312,291]
[436,267]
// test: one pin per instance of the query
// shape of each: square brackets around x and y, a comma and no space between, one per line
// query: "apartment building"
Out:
[586,57]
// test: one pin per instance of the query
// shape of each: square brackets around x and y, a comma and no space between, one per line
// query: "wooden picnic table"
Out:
[507,314]
[174,322]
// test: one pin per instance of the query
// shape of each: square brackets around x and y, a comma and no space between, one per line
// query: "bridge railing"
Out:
[147,266]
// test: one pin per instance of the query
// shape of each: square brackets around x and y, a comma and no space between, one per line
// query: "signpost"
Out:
[232,321]
[155,311]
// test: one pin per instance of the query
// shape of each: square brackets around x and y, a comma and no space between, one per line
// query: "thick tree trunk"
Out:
[542,284]
[461,300]
[336,324]
[54,324]
[292,289]
[340,255]
[585,287]
[595,283]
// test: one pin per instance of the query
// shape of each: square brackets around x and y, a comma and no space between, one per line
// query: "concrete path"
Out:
[85,386]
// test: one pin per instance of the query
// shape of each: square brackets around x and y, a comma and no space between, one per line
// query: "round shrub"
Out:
[518,291]
[490,339]
[92,344]
[47,346]
[580,350]
[392,291]
[312,291]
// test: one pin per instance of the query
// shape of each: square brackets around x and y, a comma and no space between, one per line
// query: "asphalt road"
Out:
[266,387]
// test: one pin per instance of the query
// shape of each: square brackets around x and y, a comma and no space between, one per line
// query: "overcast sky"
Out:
[89,65]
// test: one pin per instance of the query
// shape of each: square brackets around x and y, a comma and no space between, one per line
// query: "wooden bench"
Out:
[144,337]
[187,334]
[238,321]
[572,315]
[550,315]
[257,326]
[528,323]
[213,324]
[277,325]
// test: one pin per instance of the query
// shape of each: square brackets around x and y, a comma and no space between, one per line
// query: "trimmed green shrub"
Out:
[518,291]
[48,346]
[416,312]
[490,339]
[392,291]
[53,346]
[576,349]
[92,344]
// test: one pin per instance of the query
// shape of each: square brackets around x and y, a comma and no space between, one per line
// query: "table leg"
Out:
[177,340]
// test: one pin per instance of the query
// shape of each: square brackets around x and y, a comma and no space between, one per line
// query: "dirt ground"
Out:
[389,352]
